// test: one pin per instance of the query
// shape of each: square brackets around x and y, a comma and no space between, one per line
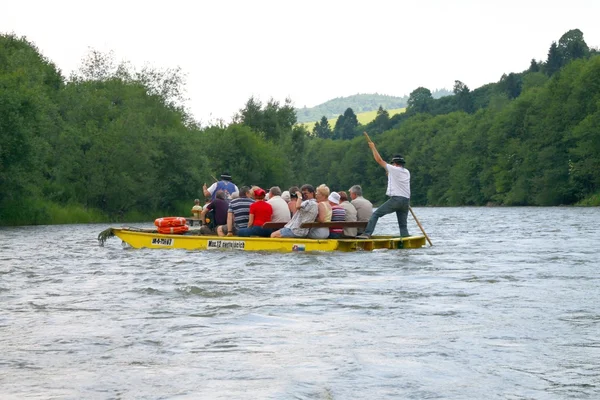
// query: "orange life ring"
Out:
[173,230]
[170,222]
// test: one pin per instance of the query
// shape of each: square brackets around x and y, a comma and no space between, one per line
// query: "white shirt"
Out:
[398,181]
[281,212]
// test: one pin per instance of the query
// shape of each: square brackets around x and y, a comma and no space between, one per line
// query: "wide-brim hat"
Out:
[226,176]
[398,159]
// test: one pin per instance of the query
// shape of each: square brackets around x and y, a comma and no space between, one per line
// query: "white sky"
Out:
[310,51]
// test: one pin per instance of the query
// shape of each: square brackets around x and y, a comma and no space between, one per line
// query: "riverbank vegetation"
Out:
[111,143]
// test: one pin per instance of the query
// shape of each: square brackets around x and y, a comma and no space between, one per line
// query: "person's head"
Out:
[308,191]
[235,195]
[197,201]
[244,191]
[343,196]
[220,195]
[398,160]
[322,193]
[293,190]
[334,198]
[259,194]
[286,196]
[226,176]
[274,191]
[355,191]
[251,191]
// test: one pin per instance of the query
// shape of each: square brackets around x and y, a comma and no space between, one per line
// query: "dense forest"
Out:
[358,103]
[113,143]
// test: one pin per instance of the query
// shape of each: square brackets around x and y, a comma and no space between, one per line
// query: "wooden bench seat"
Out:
[344,224]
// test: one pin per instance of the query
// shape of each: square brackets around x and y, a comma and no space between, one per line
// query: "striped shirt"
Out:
[240,208]
[338,213]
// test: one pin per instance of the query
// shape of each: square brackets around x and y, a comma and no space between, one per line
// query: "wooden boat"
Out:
[148,238]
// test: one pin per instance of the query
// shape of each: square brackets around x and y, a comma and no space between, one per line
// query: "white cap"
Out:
[334,197]
[286,196]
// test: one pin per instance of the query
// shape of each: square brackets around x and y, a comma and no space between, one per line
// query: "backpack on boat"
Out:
[209,220]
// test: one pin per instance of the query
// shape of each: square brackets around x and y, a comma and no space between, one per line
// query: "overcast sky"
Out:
[310,51]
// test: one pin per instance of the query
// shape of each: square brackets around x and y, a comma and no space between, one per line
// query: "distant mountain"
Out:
[358,103]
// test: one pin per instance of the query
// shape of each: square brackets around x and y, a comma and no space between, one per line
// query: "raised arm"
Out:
[376,155]
[205,191]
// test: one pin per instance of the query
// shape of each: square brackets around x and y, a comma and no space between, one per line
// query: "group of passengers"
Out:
[244,211]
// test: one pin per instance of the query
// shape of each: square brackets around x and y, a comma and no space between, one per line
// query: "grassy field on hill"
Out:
[363,118]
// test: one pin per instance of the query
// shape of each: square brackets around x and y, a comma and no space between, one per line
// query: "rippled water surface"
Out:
[505,305]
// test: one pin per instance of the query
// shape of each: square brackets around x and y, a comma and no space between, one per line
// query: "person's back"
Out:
[338,214]
[240,208]
[225,185]
[220,208]
[350,215]
[364,208]
[197,209]
[281,211]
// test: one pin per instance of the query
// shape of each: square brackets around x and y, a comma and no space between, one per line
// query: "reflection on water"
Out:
[505,304]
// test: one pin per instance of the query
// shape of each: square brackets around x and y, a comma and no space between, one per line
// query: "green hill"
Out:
[363,118]
[359,103]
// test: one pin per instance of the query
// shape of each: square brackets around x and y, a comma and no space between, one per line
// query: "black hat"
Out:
[398,159]
[226,176]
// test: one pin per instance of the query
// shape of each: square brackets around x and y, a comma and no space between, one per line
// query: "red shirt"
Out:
[262,212]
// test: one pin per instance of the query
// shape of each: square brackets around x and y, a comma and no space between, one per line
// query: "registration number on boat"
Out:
[163,241]
[226,244]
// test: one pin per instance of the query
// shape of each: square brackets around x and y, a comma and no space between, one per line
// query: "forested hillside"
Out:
[112,143]
[359,103]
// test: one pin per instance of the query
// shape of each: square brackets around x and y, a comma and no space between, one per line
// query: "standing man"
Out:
[398,190]
[225,184]
[364,208]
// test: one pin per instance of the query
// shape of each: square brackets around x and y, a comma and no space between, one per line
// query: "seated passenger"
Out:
[307,211]
[293,199]
[281,212]
[364,208]
[219,206]
[237,214]
[350,214]
[260,213]
[338,214]
[324,213]
[197,209]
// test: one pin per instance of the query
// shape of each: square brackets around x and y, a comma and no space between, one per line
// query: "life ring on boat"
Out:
[170,222]
[173,229]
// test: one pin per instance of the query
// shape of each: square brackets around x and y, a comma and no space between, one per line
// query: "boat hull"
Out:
[152,240]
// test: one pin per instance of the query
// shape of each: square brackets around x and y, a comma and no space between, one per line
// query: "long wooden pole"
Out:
[409,207]
[418,223]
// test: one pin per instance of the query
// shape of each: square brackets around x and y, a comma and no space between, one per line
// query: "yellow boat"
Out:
[146,238]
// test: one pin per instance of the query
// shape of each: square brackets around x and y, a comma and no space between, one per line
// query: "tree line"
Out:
[113,143]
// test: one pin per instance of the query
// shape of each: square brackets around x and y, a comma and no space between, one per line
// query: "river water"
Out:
[505,305]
